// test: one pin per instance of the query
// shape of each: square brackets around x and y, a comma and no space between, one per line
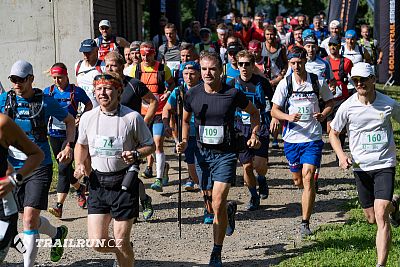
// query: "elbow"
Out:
[152,148]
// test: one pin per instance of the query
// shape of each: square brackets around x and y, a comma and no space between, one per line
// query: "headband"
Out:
[296,55]
[221,31]
[106,79]
[147,50]
[58,70]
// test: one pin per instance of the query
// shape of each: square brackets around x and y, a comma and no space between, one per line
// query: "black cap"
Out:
[335,40]
[234,47]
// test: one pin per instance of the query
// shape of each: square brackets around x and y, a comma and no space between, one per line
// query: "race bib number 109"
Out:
[212,135]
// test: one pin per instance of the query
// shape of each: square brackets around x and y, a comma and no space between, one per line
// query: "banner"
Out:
[345,11]
[206,10]
[387,32]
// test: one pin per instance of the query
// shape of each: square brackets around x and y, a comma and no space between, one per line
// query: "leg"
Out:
[297,179]
[308,197]
[383,236]
[124,251]
[31,221]
[98,230]
[219,197]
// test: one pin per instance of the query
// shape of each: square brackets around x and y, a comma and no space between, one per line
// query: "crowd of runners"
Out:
[222,92]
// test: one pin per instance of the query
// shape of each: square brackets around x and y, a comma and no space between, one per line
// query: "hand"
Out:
[379,61]
[254,142]
[181,147]
[345,162]
[129,157]
[66,155]
[274,125]
[164,96]
[5,186]
[333,89]
[167,131]
[294,117]
[319,117]
[80,171]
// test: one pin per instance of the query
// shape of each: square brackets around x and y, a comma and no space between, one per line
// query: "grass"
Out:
[352,243]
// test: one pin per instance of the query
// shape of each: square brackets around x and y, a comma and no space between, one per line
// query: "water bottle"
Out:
[129,177]
[9,204]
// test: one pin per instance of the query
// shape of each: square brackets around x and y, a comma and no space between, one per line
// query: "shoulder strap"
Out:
[72,97]
[11,104]
[51,91]
[314,83]
[138,71]
[289,86]
[201,46]
[98,66]
[361,50]
[342,74]
[100,38]
[160,78]
[78,66]
[342,50]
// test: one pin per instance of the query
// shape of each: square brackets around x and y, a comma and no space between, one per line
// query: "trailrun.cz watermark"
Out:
[80,243]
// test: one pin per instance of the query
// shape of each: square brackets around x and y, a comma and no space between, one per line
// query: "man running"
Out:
[114,137]
[296,102]
[107,42]
[12,135]
[213,104]
[367,117]
[31,109]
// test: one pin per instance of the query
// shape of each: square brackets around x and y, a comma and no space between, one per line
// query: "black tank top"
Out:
[3,161]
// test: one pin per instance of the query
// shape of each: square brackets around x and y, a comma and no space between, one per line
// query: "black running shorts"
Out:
[376,184]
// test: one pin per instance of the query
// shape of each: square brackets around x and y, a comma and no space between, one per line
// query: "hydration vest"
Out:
[71,98]
[342,74]
[35,113]
[96,67]
[158,80]
[106,47]
[374,56]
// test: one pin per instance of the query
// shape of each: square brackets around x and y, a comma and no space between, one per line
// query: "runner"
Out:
[213,105]
[134,92]
[296,102]
[258,90]
[188,53]
[372,46]
[154,75]
[169,53]
[69,96]
[107,41]
[12,135]
[205,44]
[114,137]
[335,29]
[134,56]
[25,105]
[367,117]
[257,31]
[231,68]
[191,77]
[88,68]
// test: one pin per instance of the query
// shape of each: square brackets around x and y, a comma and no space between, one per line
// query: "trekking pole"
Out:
[179,128]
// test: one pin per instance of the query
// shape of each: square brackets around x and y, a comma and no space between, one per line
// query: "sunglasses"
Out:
[16,79]
[357,80]
[103,77]
[244,64]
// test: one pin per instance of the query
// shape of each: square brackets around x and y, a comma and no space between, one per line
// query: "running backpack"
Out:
[96,67]
[160,76]
[360,49]
[35,114]
[314,84]
[71,96]
[342,75]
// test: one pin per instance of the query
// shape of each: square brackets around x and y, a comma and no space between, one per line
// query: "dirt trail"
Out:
[262,238]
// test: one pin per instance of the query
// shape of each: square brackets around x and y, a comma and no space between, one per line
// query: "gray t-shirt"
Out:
[370,131]
[107,136]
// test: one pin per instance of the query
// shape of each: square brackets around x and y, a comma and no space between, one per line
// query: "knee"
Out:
[248,167]
[30,221]
[218,205]
[370,218]
[381,216]
[261,168]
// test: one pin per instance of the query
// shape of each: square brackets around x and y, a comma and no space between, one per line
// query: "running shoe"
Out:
[157,185]
[275,144]
[394,217]
[208,217]
[215,259]
[57,249]
[147,208]
[56,210]
[263,188]
[189,185]
[305,230]
[254,203]
[81,197]
[165,178]
[232,208]
[148,173]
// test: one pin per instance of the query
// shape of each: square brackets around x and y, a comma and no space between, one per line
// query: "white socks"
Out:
[46,228]
[30,237]
[160,163]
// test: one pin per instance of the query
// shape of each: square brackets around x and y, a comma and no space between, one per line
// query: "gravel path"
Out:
[262,238]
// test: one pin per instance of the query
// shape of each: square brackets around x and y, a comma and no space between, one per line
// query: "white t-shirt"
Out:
[354,55]
[107,136]
[128,70]
[370,131]
[305,102]
[85,78]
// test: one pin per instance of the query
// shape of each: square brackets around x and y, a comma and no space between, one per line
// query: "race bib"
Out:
[212,135]
[16,153]
[306,112]
[108,146]
[3,229]
[374,141]
[58,125]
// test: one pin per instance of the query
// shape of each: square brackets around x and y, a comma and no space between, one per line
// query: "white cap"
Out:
[21,68]
[362,69]
[334,24]
[105,22]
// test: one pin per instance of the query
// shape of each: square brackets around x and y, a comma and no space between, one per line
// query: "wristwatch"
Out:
[136,155]
[17,178]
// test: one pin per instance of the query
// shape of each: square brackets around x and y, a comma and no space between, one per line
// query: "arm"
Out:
[344,160]
[81,153]
[166,119]
[327,110]
[181,147]
[66,154]
[278,114]
[253,142]
[153,105]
